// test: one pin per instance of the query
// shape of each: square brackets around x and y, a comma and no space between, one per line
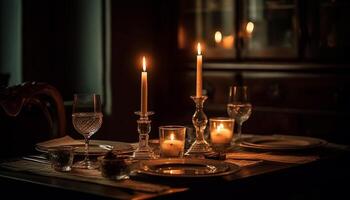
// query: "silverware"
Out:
[106,146]
[42,157]
[36,159]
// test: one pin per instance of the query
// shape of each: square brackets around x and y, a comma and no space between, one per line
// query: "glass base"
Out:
[143,155]
[199,148]
[86,164]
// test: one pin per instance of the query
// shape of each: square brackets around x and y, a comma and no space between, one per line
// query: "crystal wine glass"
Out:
[239,107]
[87,120]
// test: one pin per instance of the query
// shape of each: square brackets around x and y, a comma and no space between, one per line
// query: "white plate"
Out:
[185,168]
[281,142]
[97,147]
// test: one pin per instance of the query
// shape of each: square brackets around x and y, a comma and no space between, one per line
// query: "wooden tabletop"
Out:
[267,179]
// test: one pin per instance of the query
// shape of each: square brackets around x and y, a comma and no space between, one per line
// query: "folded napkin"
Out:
[66,140]
[243,163]
[292,159]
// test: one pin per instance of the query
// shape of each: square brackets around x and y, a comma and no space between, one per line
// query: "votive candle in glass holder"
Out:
[172,141]
[221,131]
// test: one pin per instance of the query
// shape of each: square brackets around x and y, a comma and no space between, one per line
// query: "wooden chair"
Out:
[29,113]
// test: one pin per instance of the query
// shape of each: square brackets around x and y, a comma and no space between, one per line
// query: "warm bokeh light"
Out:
[144,63]
[181,35]
[228,42]
[250,27]
[172,137]
[199,49]
[218,37]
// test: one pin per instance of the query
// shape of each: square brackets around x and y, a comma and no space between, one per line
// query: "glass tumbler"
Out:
[61,158]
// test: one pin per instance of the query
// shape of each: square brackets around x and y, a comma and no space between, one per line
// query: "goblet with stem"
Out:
[239,108]
[87,120]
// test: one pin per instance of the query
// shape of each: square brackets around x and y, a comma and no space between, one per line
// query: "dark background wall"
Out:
[63,44]
[68,43]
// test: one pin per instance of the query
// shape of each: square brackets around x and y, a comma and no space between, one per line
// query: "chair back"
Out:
[29,113]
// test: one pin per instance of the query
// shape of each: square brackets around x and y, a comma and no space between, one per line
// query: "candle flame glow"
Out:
[199,49]
[228,41]
[220,127]
[144,63]
[218,37]
[172,137]
[250,27]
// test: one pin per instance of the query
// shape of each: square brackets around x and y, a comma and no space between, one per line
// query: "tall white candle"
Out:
[199,72]
[144,89]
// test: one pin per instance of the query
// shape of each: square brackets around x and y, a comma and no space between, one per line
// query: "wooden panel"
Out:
[298,103]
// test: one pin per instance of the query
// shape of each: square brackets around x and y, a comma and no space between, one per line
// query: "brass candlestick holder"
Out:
[143,151]
[200,146]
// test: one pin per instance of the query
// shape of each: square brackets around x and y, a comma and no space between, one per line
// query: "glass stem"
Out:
[239,130]
[199,134]
[86,137]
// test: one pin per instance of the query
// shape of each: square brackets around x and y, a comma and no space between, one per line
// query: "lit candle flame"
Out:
[220,127]
[144,63]
[250,27]
[172,137]
[218,37]
[199,49]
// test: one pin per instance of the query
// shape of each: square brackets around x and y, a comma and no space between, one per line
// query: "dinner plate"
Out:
[186,167]
[281,142]
[97,147]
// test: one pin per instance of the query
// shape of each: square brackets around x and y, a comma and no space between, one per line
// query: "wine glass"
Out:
[87,120]
[239,107]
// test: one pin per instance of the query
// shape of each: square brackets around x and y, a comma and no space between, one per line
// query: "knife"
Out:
[36,160]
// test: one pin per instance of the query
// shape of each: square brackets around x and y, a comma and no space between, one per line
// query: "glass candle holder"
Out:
[199,119]
[172,141]
[143,151]
[221,131]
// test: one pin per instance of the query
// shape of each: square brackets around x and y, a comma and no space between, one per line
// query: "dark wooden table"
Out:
[325,178]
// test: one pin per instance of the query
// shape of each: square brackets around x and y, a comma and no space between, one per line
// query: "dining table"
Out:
[315,173]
